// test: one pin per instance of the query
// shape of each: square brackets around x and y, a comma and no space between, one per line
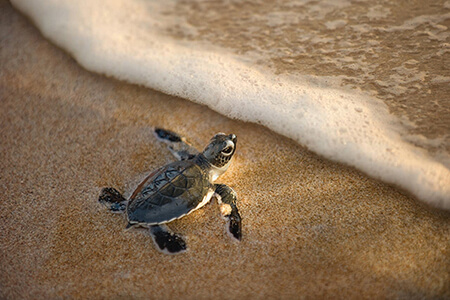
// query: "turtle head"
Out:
[219,152]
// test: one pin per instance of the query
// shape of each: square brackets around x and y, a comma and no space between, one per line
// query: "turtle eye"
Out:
[227,150]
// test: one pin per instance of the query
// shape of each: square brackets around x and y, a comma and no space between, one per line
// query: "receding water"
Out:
[398,51]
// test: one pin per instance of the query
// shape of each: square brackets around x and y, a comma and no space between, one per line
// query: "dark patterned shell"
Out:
[169,193]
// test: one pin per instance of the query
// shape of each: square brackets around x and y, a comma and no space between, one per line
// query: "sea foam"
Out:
[123,39]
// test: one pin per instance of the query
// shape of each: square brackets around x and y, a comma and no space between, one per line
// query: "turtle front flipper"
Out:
[166,241]
[113,199]
[227,200]
[177,144]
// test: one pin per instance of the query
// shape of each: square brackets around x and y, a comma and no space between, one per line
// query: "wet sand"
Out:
[311,228]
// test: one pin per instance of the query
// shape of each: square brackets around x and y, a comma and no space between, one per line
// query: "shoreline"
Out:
[311,228]
[341,124]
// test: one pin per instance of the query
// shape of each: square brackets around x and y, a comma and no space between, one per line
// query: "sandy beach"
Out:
[311,228]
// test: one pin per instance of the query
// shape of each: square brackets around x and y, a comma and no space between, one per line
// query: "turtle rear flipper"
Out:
[113,199]
[177,144]
[166,241]
[227,200]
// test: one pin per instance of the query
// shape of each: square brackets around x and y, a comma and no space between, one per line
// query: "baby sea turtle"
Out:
[179,188]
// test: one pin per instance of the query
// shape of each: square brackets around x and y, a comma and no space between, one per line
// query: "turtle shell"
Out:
[169,193]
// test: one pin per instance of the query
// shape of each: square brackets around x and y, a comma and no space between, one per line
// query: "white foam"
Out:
[122,39]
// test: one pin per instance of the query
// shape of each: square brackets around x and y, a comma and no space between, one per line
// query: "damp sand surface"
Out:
[311,228]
